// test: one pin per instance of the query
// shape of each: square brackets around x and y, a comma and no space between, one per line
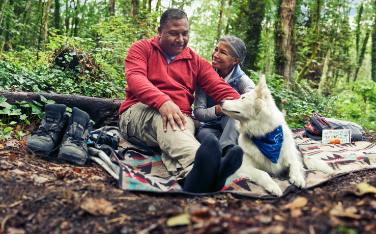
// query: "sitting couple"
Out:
[162,75]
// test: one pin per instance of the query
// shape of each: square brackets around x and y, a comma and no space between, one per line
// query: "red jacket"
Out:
[152,81]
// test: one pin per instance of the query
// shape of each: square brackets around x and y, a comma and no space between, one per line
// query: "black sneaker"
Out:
[74,145]
[51,131]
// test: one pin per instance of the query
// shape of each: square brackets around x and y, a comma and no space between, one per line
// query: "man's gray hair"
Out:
[172,13]
[237,47]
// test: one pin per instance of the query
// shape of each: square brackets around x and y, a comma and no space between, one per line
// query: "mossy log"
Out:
[102,111]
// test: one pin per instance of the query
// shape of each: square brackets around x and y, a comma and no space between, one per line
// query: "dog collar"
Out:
[270,145]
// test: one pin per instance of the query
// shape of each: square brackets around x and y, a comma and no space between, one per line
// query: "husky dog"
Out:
[267,141]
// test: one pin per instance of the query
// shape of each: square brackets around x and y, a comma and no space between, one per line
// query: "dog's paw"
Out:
[298,181]
[274,189]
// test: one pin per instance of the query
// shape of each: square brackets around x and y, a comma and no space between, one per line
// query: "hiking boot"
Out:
[51,130]
[74,146]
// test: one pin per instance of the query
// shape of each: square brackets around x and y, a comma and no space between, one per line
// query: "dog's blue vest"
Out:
[270,145]
[233,82]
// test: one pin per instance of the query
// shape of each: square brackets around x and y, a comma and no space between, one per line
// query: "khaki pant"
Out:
[178,147]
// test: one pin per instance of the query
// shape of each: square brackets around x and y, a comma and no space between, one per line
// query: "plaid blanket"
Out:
[138,172]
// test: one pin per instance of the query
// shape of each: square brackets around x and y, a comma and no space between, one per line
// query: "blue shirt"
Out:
[169,57]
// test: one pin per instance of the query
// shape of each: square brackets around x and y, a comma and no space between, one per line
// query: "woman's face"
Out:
[222,58]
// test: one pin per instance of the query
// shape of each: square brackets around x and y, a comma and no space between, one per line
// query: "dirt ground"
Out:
[44,195]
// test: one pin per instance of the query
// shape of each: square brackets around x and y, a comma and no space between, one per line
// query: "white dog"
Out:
[257,116]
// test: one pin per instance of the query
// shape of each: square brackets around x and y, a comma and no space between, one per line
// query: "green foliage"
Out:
[298,105]
[55,80]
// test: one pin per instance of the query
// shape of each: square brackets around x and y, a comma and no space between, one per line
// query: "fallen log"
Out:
[102,111]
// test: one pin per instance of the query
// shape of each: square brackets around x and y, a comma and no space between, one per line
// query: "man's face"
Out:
[174,36]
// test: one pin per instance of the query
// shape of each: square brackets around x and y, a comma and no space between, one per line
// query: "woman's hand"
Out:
[218,109]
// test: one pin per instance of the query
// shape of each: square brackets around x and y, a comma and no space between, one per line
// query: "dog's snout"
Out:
[221,103]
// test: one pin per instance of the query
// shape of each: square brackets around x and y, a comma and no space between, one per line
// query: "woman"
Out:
[226,60]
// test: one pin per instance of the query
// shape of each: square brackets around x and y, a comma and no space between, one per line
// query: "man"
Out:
[162,74]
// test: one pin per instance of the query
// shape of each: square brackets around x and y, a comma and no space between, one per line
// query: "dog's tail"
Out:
[318,164]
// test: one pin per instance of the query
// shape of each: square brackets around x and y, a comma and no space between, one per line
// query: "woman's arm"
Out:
[245,84]
[201,112]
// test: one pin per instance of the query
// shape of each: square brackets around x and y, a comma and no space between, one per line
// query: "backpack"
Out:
[320,123]
[317,125]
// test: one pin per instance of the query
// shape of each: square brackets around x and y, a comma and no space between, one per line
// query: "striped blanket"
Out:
[138,172]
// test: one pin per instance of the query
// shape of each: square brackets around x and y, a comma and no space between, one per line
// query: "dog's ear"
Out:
[262,89]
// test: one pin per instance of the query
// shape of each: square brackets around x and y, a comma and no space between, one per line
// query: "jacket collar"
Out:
[236,74]
[185,54]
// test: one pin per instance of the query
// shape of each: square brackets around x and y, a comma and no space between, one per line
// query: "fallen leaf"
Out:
[15,231]
[3,167]
[18,172]
[211,200]
[279,218]
[89,175]
[1,147]
[12,158]
[297,203]
[38,179]
[364,188]
[275,229]
[18,128]
[64,225]
[296,213]
[373,204]
[349,212]
[183,219]
[77,169]
[56,168]
[97,206]
[22,142]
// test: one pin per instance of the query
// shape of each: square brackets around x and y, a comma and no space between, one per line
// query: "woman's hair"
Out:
[237,47]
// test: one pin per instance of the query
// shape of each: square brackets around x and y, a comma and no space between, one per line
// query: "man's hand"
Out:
[171,112]
[218,109]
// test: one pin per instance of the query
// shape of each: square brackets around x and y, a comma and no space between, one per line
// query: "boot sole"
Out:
[37,150]
[71,158]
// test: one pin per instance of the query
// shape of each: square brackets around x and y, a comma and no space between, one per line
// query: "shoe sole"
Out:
[37,150]
[71,158]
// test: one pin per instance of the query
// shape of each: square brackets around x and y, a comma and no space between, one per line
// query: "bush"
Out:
[55,80]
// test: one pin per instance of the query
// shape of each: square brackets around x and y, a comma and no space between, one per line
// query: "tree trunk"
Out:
[220,19]
[314,47]
[112,8]
[357,33]
[67,19]
[135,7]
[76,19]
[57,19]
[362,53]
[158,5]
[324,72]
[256,11]
[373,51]
[102,111]
[40,27]
[3,11]
[149,6]
[46,24]
[284,40]
[228,17]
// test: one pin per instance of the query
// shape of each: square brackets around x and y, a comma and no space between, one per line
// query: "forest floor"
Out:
[40,195]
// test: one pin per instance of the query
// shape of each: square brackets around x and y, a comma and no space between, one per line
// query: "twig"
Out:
[4,221]
[122,218]
[11,205]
